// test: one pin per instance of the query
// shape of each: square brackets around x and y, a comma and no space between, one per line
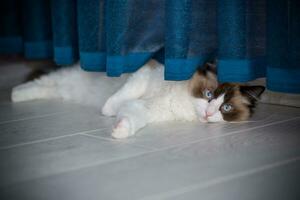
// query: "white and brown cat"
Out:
[145,97]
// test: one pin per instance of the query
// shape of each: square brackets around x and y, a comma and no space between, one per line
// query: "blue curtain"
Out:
[250,38]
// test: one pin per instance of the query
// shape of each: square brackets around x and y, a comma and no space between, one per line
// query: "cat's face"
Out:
[232,102]
[202,86]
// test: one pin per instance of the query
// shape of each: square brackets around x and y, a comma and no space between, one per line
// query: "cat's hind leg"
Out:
[132,116]
[33,90]
[134,88]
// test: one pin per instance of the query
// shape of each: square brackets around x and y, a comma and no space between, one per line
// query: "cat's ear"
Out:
[252,92]
[211,66]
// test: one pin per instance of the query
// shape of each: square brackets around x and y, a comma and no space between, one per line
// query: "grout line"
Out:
[220,180]
[34,117]
[117,141]
[40,116]
[209,183]
[98,137]
[280,105]
[49,139]
[230,133]
[220,136]
[151,151]
[170,147]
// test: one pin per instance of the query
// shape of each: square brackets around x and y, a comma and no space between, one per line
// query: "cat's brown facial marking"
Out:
[233,102]
[201,87]
[204,82]
[238,103]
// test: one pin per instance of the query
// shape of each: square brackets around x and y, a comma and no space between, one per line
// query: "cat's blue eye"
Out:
[226,107]
[208,94]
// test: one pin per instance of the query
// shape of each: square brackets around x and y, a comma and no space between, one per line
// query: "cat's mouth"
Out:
[216,117]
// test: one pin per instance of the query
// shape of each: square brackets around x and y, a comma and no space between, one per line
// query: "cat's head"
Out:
[201,86]
[233,102]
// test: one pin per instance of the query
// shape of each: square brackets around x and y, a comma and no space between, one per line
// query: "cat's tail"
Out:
[46,87]
[32,90]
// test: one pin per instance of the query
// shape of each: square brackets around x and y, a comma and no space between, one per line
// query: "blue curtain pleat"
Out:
[135,32]
[64,29]
[37,31]
[241,58]
[283,44]
[10,28]
[92,34]
[249,38]
[190,36]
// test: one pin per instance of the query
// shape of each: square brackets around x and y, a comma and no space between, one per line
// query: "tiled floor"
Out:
[55,150]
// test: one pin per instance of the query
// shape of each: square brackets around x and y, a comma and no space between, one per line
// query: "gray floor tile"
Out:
[11,74]
[52,126]
[164,135]
[153,175]
[48,150]
[277,184]
[11,112]
[57,156]
[5,96]
[266,110]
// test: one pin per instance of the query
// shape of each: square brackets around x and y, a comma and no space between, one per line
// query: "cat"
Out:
[141,98]
[144,97]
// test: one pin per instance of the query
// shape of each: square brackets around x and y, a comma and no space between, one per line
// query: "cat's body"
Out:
[145,97]
[167,100]
[138,99]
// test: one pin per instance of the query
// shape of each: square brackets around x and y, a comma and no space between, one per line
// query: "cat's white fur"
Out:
[213,113]
[70,84]
[141,98]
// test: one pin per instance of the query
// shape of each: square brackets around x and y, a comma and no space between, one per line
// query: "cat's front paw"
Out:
[109,108]
[122,129]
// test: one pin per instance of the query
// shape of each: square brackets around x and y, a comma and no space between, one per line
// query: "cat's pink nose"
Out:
[208,114]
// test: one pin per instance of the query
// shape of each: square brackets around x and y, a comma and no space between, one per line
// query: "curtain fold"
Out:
[250,38]
[64,29]
[36,27]
[283,46]
[11,40]
[190,36]
[91,32]
[242,38]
